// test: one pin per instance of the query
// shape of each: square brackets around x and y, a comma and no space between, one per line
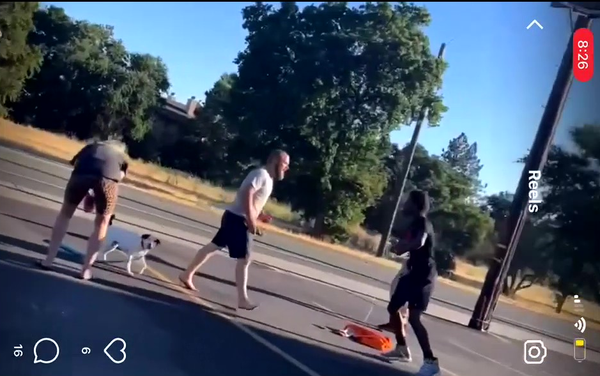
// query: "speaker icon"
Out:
[580,325]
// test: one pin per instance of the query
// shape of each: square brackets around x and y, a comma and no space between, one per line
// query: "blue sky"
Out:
[499,76]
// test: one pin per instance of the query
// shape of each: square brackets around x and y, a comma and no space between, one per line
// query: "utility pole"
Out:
[505,249]
[406,169]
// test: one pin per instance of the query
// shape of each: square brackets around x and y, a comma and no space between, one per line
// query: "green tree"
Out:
[461,226]
[329,83]
[462,157]
[571,194]
[135,95]
[531,261]
[498,205]
[204,147]
[18,59]
[88,84]
[533,257]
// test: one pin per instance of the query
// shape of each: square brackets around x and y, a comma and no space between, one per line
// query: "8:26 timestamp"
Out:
[583,55]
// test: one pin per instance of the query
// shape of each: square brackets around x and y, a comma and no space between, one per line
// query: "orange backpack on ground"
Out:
[368,337]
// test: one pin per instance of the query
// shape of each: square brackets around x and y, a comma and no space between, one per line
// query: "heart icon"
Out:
[122,350]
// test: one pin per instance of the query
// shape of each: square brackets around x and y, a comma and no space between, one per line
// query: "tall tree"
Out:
[18,59]
[204,147]
[498,204]
[462,157]
[571,190]
[461,226]
[329,83]
[88,84]
[532,258]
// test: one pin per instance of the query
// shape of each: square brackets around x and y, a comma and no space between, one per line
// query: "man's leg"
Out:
[199,259]
[421,333]
[418,304]
[404,317]
[430,363]
[241,282]
[390,328]
[398,300]
[218,242]
[240,246]
[393,285]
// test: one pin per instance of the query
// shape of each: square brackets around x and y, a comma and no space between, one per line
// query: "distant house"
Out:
[177,111]
[172,117]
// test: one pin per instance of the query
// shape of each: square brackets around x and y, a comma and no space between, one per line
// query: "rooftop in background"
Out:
[188,110]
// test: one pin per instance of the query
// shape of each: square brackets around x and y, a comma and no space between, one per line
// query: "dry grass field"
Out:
[185,189]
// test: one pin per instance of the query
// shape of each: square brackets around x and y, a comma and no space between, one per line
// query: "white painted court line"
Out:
[290,359]
[490,359]
[27,155]
[505,340]
[120,205]
[321,306]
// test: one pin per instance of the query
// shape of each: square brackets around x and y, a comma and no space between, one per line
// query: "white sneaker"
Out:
[430,367]
[399,354]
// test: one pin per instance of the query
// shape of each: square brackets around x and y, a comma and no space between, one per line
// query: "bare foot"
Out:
[187,282]
[86,274]
[248,306]
[45,265]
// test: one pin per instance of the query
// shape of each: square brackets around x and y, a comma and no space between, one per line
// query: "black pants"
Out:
[414,289]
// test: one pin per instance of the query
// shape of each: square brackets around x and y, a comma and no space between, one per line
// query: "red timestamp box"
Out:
[583,55]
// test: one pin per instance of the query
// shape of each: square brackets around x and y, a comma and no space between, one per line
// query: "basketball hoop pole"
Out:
[505,249]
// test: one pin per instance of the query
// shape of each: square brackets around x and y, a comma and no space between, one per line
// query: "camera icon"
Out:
[534,352]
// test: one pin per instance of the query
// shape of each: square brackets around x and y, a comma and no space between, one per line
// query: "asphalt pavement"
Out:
[170,331]
[26,170]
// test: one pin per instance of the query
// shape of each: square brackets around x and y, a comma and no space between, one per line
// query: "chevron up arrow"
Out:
[534,22]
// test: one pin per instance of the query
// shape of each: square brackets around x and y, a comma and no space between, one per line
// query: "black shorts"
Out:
[234,235]
[415,289]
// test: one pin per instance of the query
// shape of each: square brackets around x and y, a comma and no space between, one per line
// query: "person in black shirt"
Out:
[415,287]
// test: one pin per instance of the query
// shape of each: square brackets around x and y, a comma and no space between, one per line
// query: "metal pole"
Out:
[406,169]
[505,249]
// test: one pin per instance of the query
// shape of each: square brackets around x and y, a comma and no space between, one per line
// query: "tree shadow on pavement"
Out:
[164,334]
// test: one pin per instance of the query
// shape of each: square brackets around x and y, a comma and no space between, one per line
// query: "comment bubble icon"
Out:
[49,356]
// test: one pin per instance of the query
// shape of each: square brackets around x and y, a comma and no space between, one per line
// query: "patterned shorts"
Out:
[106,192]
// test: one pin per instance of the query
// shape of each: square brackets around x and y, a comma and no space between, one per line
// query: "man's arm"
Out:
[249,203]
[249,207]
[418,238]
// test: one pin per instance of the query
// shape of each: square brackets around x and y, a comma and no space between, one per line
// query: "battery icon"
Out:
[579,349]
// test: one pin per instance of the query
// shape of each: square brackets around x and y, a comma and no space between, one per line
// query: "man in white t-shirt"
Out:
[239,224]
